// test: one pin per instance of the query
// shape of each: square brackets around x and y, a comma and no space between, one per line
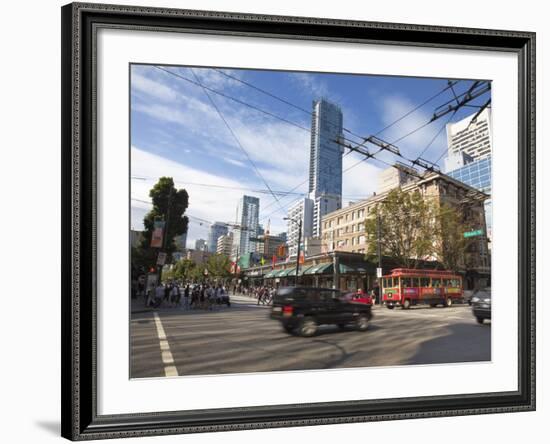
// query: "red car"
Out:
[359,296]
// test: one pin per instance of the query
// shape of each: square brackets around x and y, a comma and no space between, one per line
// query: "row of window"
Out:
[390,282]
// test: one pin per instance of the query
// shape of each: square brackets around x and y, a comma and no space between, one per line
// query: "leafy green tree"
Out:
[218,266]
[183,269]
[406,228]
[169,205]
[450,245]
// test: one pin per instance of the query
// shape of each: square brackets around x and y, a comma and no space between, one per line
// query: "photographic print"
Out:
[286,220]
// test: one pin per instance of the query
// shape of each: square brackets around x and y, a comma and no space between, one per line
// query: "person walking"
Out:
[186,297]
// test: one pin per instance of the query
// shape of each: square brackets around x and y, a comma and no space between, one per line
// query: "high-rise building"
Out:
[325,162]
[217,229]
[471,136]
[323,204]
[225,244]
[301,210]
[248,211]
[478,175]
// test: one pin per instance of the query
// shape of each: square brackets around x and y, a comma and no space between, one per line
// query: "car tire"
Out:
[341,325]
[480,319]
[448,302]
[433,305]
[363,322]
[307,327]
[406,304]
[288,328]
[389,307]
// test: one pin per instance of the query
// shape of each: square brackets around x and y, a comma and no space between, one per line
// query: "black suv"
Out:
[302,309]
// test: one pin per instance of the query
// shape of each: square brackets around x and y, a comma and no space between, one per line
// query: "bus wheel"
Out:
[406,304]
[433,305]
[389,307]
[448,302]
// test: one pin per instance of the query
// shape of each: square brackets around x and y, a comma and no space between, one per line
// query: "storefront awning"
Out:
[303,270]
[319,269]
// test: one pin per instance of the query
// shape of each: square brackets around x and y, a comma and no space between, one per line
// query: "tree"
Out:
[183,269]
[414,228]
[218,266]
[406,228]
[450,245]
[169,205]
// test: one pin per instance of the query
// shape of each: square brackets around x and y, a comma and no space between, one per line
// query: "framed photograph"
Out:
[280,221]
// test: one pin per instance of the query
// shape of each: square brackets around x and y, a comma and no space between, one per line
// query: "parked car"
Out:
[302,309]
[481,304]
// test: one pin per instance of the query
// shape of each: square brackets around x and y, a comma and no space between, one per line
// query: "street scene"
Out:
[243,339]
[297,221]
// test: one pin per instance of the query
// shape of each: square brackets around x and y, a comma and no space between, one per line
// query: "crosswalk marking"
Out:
[167,358]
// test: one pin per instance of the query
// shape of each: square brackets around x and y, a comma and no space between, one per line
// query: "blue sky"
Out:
[176,131]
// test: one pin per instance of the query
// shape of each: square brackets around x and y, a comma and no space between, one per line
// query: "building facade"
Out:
[325,165]
[473,137]
[395,176]
[217,229]
[225,244]
[248,211]
[478,175]
[344,230]
[301,210]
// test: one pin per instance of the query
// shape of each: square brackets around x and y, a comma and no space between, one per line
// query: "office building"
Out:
[301,210]
[325,164]
[217,229]
[246,232]
[478,175]
[225,244]
[471,136]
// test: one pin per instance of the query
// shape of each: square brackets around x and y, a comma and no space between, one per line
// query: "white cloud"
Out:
[394,107]
[317,88]
[361,180]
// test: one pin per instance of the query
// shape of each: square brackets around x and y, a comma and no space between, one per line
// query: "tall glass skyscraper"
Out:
[248,212]
[478,175]
[325,164]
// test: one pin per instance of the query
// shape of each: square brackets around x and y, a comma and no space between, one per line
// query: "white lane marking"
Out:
[167,358]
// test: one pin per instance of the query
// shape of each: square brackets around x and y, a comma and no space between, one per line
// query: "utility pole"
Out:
[298,254]
[379,248]
[166,222]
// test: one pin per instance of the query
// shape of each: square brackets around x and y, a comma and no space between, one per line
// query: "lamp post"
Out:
[299,222]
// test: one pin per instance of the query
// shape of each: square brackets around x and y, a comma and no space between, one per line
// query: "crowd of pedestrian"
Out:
[188,296]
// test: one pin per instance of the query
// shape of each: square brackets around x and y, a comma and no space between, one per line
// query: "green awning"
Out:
[270,274]
[287,272]
[304,269]
[344,269]
[319,268]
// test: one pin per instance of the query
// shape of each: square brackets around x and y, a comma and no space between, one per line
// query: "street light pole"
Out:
[379,248]
[298,253]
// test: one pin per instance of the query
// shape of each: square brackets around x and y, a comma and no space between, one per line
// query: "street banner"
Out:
[378,272]
[158,234]
[301,261]
[273,261]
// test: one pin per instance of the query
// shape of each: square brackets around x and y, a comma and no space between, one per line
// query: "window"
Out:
[425,282]
[362,239]
[436,282]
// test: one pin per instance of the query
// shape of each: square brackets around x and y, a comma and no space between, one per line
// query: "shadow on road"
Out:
[473,346]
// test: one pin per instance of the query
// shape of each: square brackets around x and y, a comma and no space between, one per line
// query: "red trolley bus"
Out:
[405,287]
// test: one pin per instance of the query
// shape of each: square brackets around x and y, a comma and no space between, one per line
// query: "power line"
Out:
[241,102]
[235,136]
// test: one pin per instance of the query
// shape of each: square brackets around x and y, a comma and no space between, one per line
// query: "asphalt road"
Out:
[242,339]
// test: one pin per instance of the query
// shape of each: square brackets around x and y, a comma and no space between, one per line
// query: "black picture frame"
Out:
[80,420]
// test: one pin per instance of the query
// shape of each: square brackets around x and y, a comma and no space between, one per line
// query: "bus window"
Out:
[425,282]
[407,282]
[436,282]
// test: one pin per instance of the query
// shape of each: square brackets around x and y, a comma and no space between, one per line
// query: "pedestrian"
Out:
[186,292]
